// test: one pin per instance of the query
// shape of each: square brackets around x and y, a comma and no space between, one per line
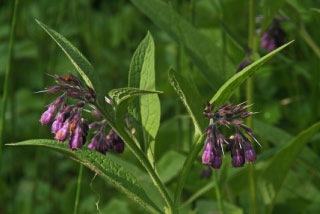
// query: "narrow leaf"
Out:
[229,87]
[102,165]
[273,176]
[82,65]
[191,99]
[203,51]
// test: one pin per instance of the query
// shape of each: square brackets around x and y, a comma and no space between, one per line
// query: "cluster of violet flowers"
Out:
[238,144]
[69,122]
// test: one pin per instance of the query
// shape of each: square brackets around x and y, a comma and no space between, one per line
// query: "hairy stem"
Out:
[7,75]
[132,145]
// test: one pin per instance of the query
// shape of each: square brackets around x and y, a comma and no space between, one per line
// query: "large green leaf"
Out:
[102,165]
[146,110]
[272,177]
[191,99]
[229,87]
[82,65]
[202,50]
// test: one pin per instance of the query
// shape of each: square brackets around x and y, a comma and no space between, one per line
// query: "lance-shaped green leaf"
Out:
[203,51]
[122,97]
[82,65]
[191,99]
[146,110]
[105,167]
[226,90]
[280,138]
[272,177]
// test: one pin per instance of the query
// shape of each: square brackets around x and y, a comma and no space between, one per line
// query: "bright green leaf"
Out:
[146,111]
[229,87]
[102,165]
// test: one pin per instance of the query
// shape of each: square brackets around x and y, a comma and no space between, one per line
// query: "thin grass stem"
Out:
[7,75]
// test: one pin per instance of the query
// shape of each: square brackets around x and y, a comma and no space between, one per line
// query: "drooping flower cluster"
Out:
[273,37]
[238,144]
[69,122]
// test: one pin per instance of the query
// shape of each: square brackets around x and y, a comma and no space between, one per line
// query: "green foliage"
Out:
[231,85]
[103,166]
[122,97]
[146,111]
[203,41]
[203,51]
[82,65]
[205,206]
[191,99]
[270,9]
[272,177]
[169,165]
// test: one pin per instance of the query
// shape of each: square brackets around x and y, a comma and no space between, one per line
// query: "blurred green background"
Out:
[286,93]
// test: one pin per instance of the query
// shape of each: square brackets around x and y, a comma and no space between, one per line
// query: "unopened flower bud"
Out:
[237,158]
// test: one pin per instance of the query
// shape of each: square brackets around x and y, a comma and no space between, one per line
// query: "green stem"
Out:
[132,145]
[76,201]
[249,96]
[194,151]
[309,40]
[218,194]
[7,75]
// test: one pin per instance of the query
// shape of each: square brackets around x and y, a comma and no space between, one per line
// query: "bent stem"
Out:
[194,151]
[132,145]
[7,75]
[76,202]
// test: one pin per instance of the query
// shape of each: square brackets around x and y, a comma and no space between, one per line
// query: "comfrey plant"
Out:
[68,121]
[133,116]
[238,144]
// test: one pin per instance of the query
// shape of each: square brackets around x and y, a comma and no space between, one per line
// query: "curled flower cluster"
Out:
[69,122]
[238,144]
